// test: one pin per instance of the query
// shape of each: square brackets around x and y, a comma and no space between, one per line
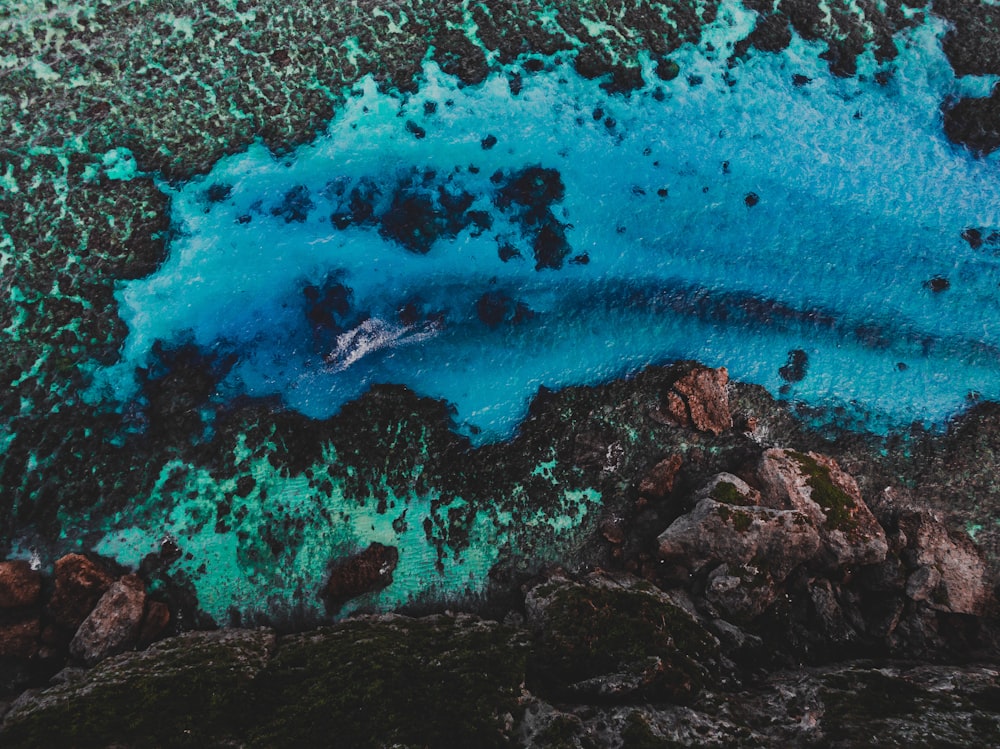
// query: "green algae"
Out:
[836,504]
[739,519]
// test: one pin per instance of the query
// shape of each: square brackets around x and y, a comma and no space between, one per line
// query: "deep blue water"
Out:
[727,223]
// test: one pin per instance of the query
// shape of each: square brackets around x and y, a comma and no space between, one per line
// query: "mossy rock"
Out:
[440,682]
[390,681]
[193,690]
[836,504]
[607,631]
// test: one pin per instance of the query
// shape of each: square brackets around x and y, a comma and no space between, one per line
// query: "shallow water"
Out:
[804,231]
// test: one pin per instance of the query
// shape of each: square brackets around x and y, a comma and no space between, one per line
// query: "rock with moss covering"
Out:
[615,638]
[394,681]
[193,690]
[816,486]
[726,527]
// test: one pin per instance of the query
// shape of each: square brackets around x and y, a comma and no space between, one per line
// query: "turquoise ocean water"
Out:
[732,215]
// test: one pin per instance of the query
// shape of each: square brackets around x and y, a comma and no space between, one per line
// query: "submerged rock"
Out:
[365,572]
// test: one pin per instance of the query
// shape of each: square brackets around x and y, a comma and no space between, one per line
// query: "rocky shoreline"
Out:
[730,574]
[747,580]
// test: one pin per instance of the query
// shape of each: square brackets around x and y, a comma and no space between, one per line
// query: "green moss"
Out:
[178,697]
[438,682]
[740,520]
[727,493]
[837,505]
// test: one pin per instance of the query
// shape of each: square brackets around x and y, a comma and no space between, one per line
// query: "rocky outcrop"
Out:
[801,561]
[113,625]
[437,681]
[700,400]
[814,485]
[726,527]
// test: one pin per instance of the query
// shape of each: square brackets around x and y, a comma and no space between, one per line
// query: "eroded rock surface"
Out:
[700,399]
[113,625]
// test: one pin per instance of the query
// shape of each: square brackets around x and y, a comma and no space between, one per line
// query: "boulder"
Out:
[742,593]
[946,569]
[815,485]
[700,400]
[113,626]
[725,527]
[78,584]
[20,586]
[368,571]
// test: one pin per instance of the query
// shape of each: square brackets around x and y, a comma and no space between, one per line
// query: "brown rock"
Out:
[723,532]
[113,626]
[815,485]
[20,586]
[78,584]
[367,571]
[154,623]
[700,400]
[659,482]
[19,639]
[948,571]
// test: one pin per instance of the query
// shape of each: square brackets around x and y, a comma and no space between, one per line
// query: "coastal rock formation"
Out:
[700,399]
[727,527]
[814,485]
[615,638]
